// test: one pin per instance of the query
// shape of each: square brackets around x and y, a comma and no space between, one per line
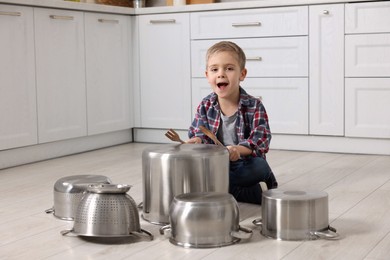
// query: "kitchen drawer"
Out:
[371,17]
[266,57]
[367,55]
[367,107]
[285,100]
[264,22]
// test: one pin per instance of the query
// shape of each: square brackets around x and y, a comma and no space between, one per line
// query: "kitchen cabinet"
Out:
[108,72]
[17,72]
[165,85]
[367,70]
[275,43]
[60,74]
[326,78]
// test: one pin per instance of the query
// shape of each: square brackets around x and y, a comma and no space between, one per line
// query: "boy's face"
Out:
[224,74]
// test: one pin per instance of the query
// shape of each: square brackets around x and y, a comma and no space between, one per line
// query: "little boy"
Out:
[238,120]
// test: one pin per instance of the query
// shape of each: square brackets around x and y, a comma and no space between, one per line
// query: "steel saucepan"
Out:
[204,220]
[68,192]
[295,215]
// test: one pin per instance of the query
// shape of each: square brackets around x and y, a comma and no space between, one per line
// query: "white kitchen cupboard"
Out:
[275,43]
[165,85]
[17,73]
[367,107]
[108,72]
[60,73]
[367,70]
[326,79]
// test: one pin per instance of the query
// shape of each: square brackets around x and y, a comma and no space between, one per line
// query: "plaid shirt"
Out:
[252,126]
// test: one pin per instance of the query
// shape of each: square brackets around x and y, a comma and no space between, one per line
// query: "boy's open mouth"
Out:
[222,85]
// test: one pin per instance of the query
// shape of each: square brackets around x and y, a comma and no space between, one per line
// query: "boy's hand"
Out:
[194,140]
[234,154]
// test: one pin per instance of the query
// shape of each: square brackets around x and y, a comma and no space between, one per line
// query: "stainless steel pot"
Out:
[68,192]
[107,211]
[204,220]
[295,215]
[170,170]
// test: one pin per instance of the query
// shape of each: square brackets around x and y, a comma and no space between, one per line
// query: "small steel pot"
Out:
[68,192]
[295,215]
[107,211]
[204,220]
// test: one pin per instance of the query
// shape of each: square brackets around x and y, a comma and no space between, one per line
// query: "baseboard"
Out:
[40,152]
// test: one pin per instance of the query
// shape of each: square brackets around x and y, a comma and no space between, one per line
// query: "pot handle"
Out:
[257,222]
[166,231]
[48,211]
[146,233]
[330,233]
[242,233]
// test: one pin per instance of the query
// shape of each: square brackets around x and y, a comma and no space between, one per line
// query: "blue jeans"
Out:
[244,178]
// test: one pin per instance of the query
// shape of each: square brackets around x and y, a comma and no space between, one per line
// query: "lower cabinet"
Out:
[367,107]
[285,100]
[108,72]
[17,73]
[60,70]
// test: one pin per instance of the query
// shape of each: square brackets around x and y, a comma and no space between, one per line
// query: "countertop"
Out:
[170,9]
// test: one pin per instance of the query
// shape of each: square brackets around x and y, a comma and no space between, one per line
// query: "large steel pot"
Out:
[295,215]
[204,220]
[107,211]
[170,170]
[68,192]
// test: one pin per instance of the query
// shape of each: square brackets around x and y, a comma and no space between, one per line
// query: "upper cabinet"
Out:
[108,54]
[60,68]
[17,73]
[165,86]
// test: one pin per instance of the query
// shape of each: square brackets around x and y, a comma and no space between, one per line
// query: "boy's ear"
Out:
[243,74]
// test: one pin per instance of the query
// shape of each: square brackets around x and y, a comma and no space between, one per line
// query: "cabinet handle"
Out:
[325,12]
[61,17]
[257,58]
[10,13]
[163,21]
[246,24]
[108,21]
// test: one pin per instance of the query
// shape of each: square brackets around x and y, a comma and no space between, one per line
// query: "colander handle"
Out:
[243,233]
[66,231]
[166,231]
[150,235]
[257,222]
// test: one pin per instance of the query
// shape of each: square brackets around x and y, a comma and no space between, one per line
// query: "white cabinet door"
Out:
[60,66]
[108,72]
[165,77]
[17,74]
[285,100]
[326,83]
[367,107]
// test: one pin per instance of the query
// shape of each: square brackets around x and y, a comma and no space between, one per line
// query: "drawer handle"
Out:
[325,12]
[246,24]
[61,17]
[163,21]
[108,21]
[257,58]
[11,13]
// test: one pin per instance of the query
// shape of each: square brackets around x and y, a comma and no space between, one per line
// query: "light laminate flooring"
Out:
[359,208]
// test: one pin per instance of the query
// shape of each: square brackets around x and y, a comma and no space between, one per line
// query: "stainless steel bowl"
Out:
[295,215]
[204,220]
[68,192]
[170,170]
[107,211]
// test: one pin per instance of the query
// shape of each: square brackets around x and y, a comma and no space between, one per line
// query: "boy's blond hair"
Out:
[230,47]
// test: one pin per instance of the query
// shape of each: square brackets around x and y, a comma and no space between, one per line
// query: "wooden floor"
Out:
[359,208]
